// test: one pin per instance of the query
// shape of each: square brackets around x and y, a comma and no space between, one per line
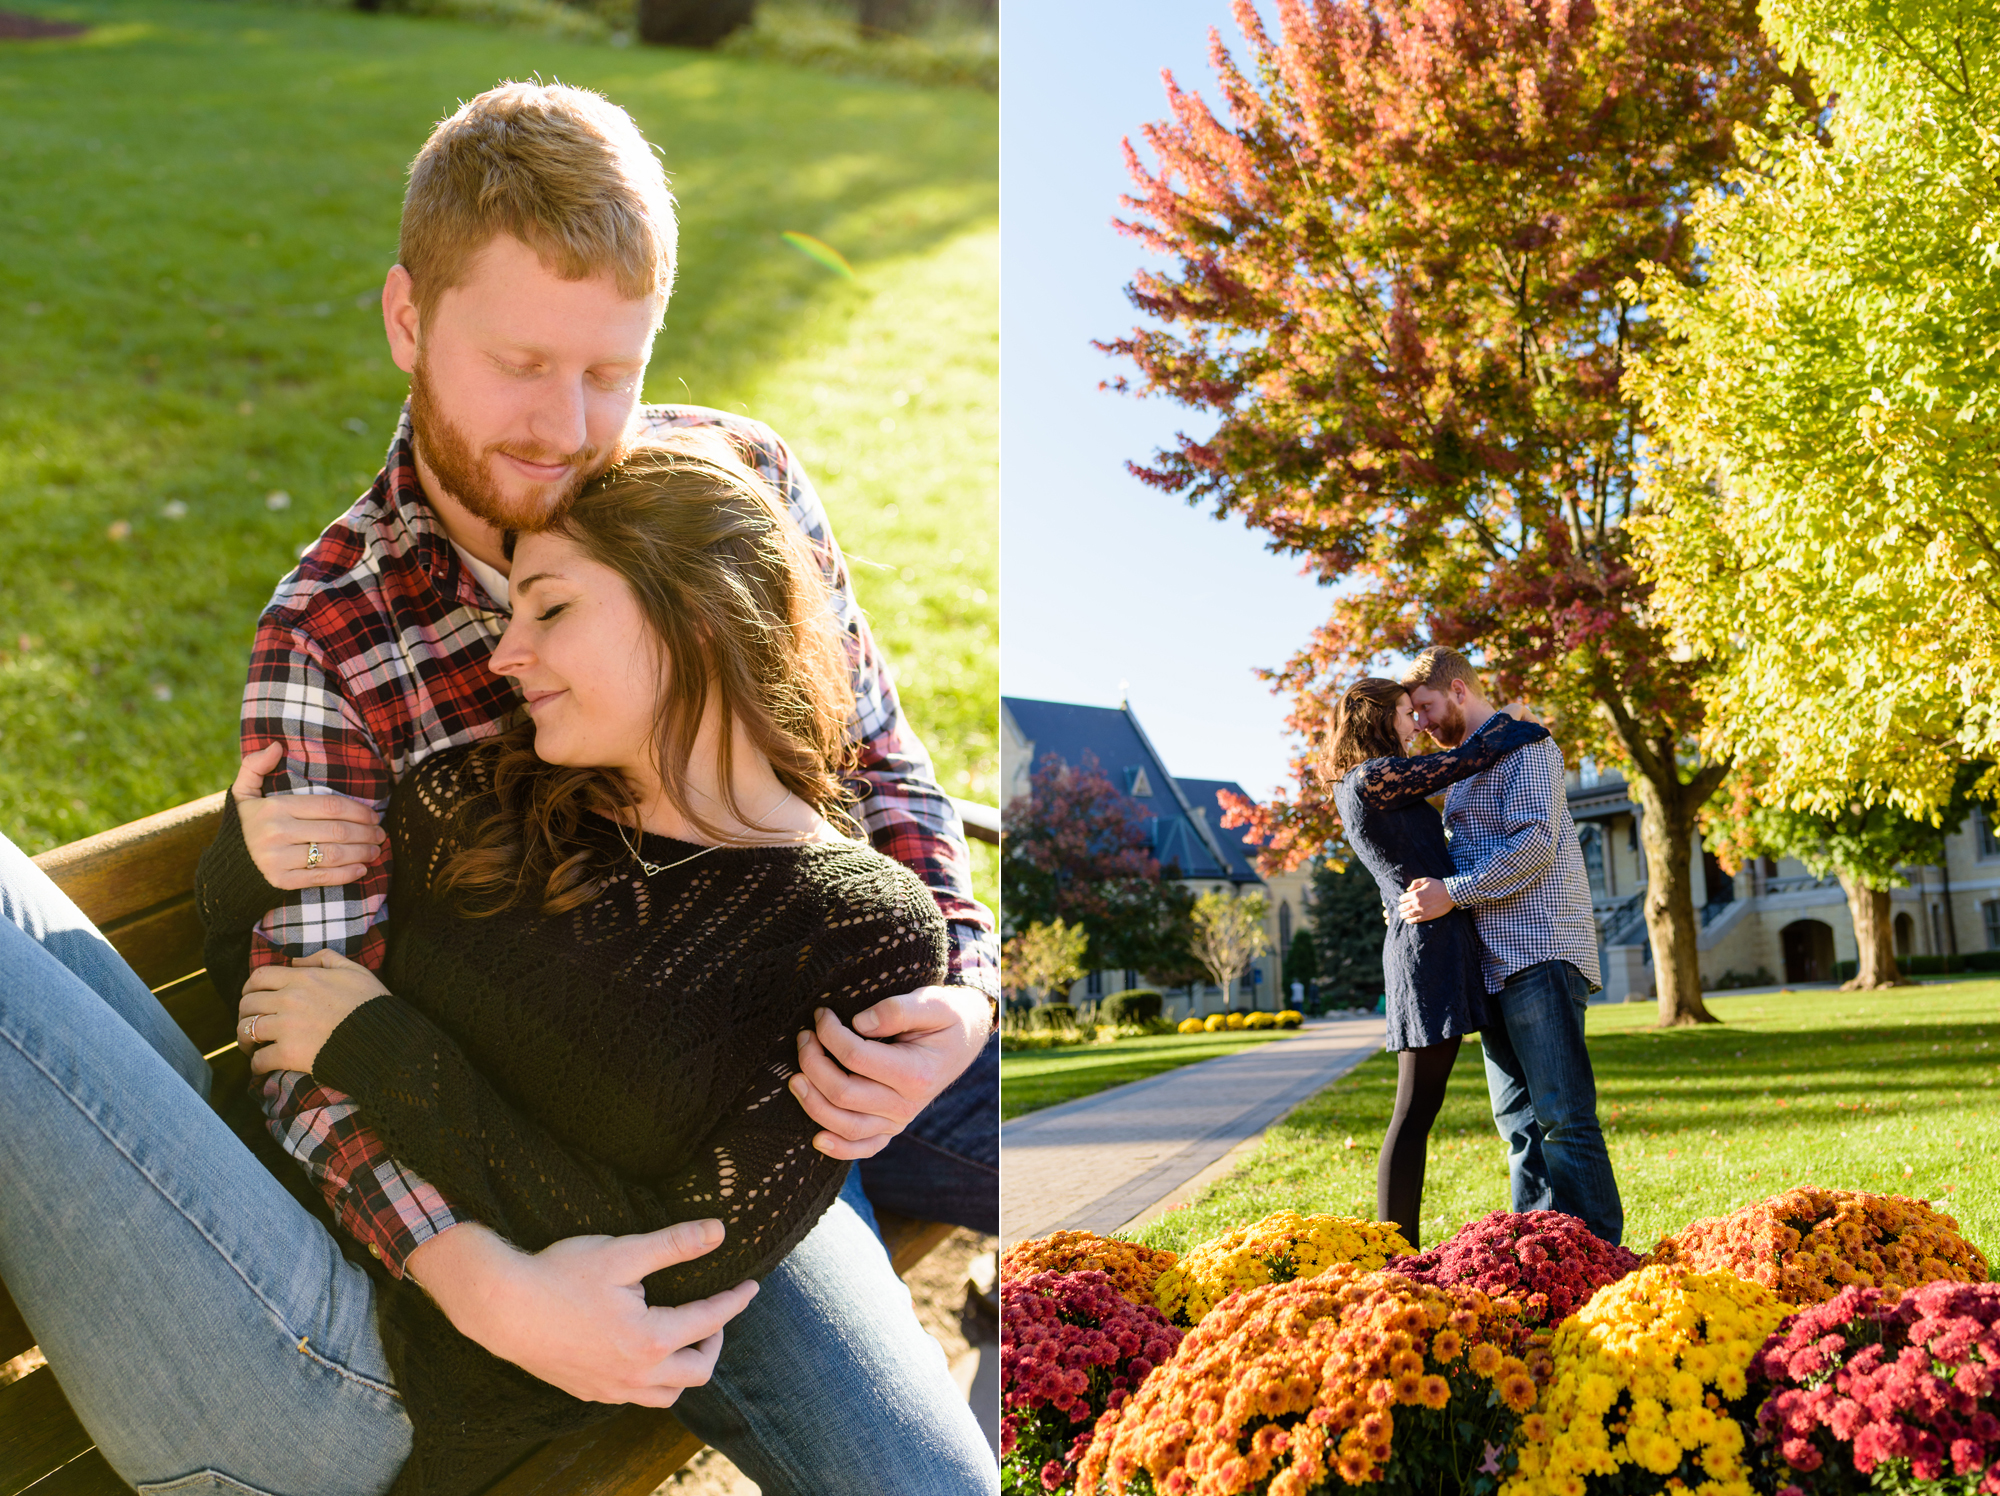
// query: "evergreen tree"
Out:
[1348,925]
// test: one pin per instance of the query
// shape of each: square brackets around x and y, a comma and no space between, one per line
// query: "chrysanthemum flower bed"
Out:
[1132,1268]
[1806,1245]
[1292,1387]
[1547,1260]
[1877,1391]
[1072,1347]
[1524,1356]
[1279,1248]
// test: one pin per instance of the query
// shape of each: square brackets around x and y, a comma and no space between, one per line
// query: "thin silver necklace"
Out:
[654,869]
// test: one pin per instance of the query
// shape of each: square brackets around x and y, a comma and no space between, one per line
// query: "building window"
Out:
[1131,978]
[1990,912]
[1906,930]
[1284,929]
[1590,837]
[1989,844]
[1093,985]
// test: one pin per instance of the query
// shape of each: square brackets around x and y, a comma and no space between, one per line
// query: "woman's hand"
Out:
[287,1012]
[1520,711]
[303,841]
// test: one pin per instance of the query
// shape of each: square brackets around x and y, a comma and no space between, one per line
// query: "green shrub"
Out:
[1053,1016]
[1930,966]
[1133,1005]
[1761,977]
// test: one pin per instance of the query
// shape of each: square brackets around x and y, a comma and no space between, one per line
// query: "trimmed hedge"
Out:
[1929,966]
[1133,1005]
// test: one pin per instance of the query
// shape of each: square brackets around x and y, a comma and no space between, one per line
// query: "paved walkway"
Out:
[1104,1161]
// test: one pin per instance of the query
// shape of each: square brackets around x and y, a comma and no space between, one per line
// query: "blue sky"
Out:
[1104,580]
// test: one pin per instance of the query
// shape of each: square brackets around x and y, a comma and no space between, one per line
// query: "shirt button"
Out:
[374,1250]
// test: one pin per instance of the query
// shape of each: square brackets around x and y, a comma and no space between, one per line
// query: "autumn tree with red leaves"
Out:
[1394,286]
[1076,848]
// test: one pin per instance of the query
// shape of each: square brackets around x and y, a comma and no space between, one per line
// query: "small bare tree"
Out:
[1044,957]
[1229,935]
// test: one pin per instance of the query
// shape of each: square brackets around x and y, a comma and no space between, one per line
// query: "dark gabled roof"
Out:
[1201,793]
[1123,752]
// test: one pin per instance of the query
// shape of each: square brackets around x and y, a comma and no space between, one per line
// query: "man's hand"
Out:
[864,1091]
[1424,899]
[575,1314]
[282,830]
[288,1012]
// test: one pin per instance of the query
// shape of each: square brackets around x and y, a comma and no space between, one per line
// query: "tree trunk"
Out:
[1869,908]
[692,23]
[887,17]
[1666,832]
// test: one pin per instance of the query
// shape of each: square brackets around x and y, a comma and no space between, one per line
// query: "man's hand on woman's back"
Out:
[865,1090]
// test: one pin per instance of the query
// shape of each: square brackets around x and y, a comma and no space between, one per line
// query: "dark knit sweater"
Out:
[611,1070]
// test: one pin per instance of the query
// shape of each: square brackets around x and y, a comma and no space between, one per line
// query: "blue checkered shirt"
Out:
[1520,870]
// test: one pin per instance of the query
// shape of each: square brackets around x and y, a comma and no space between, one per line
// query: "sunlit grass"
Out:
[1895,1092]
[202,199]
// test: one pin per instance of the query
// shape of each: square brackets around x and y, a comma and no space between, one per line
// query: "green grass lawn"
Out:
[1895,1092]
[1035,1078]
[202,199]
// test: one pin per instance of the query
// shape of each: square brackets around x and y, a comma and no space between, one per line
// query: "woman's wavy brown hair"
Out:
[741,618]
[1364,725]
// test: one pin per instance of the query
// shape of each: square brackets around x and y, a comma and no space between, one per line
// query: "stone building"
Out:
[1773,920]
[1184,819]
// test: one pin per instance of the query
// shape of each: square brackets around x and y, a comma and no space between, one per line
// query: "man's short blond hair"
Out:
[1437,667]
[562,169]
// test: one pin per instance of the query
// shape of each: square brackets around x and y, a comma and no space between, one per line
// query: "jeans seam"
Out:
[221,1252]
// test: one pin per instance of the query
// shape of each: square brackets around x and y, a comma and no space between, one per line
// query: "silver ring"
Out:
[250,1027]
[313,857]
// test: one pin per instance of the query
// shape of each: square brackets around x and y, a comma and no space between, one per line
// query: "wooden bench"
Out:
[136,882]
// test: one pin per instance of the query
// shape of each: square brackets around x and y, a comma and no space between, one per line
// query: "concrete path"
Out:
[1104,1161]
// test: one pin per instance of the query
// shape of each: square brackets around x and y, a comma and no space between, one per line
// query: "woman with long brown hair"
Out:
[608,927]
[1435,994]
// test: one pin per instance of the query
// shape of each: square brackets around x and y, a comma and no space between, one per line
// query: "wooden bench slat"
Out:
[629,1455]
[161,943]
[130,868]
[42,1432]
[15,1336]
[89,1474]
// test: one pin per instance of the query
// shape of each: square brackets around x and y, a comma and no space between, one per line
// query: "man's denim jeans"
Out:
[213,1339]
[1545,1098]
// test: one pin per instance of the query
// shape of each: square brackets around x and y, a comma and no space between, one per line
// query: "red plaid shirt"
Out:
[372,656]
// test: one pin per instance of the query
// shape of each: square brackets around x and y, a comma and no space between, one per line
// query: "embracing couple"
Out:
[568,973]
[1490,931]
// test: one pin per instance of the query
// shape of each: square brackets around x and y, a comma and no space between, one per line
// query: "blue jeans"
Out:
[945,1166]
[1544,1098]
[212,1338]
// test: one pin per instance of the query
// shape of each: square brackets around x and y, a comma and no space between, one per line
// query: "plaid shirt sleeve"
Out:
[295,696]
[1530,784]
[907,815]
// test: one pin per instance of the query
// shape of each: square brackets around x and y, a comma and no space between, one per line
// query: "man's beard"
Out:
[1447,724]
[468,477]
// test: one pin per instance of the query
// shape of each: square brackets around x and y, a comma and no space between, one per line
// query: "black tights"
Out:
[1399,1174]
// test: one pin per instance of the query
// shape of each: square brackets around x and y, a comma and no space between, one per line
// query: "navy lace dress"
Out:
[1430,970]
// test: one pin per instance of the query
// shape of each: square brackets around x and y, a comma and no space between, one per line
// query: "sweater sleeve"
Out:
[1390,783]
[231,896]
[754,1168]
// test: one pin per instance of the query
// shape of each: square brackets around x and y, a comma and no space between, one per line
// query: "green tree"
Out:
[1301,963]
[1826,530]
[1865,846]
[1389,287]
[1044,958]
[1348,924]
[1228,935]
